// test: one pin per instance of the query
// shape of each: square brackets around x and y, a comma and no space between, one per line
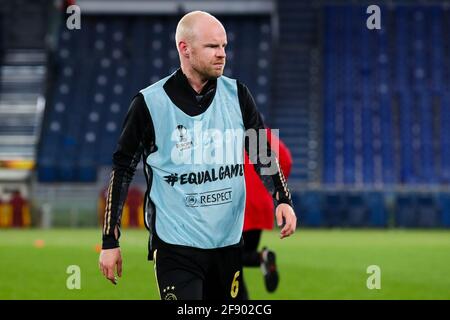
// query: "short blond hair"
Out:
[185,28]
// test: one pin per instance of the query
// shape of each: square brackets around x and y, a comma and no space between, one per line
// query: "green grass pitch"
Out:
[313,264]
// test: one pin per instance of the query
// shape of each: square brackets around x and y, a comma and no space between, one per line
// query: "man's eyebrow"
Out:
[215,44]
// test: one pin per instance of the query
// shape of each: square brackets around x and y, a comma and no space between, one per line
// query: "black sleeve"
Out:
[136,138]
[275,183]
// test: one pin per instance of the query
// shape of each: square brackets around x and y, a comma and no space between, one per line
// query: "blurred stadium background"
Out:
[365,113]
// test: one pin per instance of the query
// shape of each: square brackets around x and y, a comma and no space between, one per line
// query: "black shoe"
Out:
[269,269]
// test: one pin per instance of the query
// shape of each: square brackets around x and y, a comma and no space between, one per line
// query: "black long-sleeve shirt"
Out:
[138,139]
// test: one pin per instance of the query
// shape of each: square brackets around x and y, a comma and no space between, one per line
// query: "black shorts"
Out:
[185,273]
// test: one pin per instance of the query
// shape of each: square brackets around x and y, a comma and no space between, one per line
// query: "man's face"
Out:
[207,56]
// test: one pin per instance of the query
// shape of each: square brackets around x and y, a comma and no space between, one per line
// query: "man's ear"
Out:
[184,49]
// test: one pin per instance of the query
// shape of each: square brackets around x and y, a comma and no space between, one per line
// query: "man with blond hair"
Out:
[194,211]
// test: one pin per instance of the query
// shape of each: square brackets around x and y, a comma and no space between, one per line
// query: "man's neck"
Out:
[195,80]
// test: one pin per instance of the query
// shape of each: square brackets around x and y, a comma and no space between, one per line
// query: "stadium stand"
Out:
[386,105]
[384,98]
[22,81]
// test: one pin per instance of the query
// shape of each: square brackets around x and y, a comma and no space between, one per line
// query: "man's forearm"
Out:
[115,201]
[121,177]
[276,182]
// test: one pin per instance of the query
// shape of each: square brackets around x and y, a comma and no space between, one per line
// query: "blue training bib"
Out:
[198,185]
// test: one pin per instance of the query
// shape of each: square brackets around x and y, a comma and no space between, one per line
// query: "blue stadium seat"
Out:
[406,210]
[308,207]
[358,213]
[444,207]
[335,210]
[429,215]
[377,209]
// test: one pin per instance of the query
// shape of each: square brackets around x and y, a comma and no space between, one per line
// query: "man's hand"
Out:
[285,211]
[109,259]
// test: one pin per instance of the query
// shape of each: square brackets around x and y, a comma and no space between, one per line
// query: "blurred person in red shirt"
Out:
[133,216]
[20,210]
[4,216]
[133,211]
[101,205]
[259,209]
